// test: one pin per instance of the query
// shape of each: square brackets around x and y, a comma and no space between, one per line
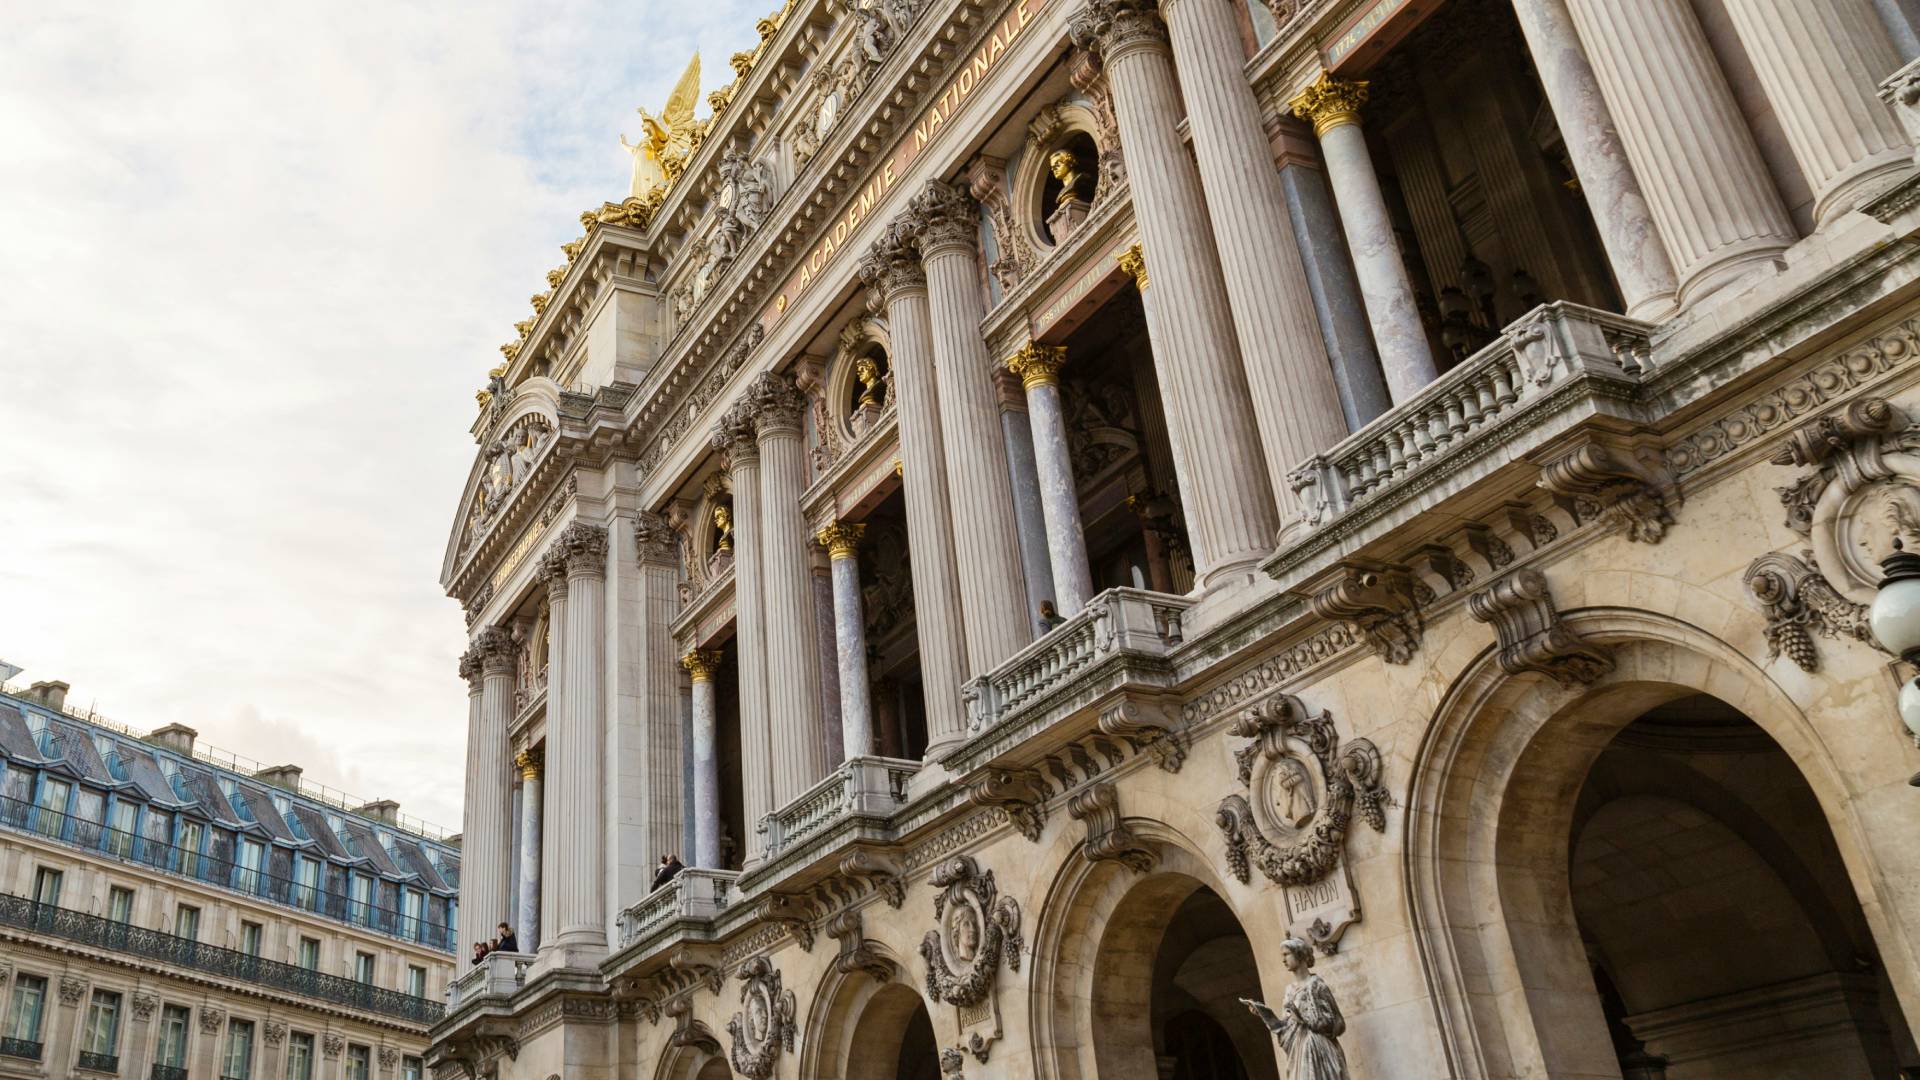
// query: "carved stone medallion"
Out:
[975,931]
[764,1026]
[1302,788]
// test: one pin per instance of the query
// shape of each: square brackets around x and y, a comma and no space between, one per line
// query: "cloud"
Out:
[258,258]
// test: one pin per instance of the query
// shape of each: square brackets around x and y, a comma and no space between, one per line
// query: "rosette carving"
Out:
[976,930]
[1309,816]
[764,1026]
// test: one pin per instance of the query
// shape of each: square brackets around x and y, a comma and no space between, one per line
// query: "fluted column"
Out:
[1294,395]
[576,742]
[1038,367]
[485,822]
[893,268]
[992,595]
[1819,62]
[842,541]
[1401,339]
[701,665]
[733,436]
[1710,194]
[528,931]
[556,692]
[1029,523]
[662,786]
[1620,212]
[793,666]
[1231,513]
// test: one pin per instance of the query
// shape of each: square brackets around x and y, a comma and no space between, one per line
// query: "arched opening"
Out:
[714,1069]
[1716,912]
[867,1029]
[1080,167]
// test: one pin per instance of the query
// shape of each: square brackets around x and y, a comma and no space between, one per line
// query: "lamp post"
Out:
[1895,620]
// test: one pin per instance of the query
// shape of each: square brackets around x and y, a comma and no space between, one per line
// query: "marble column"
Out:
[842,541]
[1337,303]
[1635,252]
[1038,367]
[892,267]
[1231,512]
[1820,62]
[827,652]
[556,693]
[793,667]
[701,665]
[528,929]
[1711,196]
[1030,523]
[485,820]
[1398,334]
[1898,17]
[662,785]
[577,746]
[1295,398]
[734,437]
[992,595]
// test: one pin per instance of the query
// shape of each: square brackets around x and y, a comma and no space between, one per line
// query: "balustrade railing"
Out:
[1118,620]
[224,873]
[872,786]
[695,892]
[106,935]
[1532,358]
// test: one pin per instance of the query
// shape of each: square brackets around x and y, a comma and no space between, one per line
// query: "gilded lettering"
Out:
[995,46]
[1026,16]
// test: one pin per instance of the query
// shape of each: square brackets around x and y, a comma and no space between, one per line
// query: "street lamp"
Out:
[1895,620]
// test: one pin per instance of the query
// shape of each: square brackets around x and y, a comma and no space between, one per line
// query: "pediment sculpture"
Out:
[1302,787]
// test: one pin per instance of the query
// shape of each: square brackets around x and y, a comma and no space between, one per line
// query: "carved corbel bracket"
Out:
[881,871]
[1108,837]
[1022,793]
[1532,637]
[855,953]
[1599,481]
[1379,602]
[687,1031]
[1799,602]
[791,912]
[1146,728]
[700,962]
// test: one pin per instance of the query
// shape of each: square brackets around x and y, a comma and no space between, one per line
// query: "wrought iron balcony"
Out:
[21,1048]
[106,935]
[104,1063]
[219,872]
[167,1072]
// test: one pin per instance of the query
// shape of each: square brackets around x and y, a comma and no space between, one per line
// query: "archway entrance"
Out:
[1202,968]
[872,1030]
[1716,913]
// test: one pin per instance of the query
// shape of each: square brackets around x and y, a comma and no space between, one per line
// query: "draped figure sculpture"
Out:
[1309,1025]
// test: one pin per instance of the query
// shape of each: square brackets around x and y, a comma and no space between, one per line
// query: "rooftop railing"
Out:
[106,935]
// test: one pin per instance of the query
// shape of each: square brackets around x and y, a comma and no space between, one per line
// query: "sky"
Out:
[255,259]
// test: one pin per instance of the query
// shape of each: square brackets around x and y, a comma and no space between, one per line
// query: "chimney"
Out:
[381,810]
[51,694]
[175,737]
[286,776]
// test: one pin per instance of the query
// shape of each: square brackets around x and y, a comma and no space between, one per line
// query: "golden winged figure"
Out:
[668,136]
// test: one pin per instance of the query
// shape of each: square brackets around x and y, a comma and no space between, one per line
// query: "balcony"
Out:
[104,935]
[498,974]
[862,791]
[693,894]
[222,873]
[24,1049]
[100,1063]
[167,1072]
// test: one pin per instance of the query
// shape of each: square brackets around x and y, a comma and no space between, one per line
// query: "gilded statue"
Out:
[1309,1024]
[666,138]
[1065,166]
[868,373]
[723,520]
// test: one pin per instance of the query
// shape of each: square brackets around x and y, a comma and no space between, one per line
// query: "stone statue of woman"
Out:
[1309,1024]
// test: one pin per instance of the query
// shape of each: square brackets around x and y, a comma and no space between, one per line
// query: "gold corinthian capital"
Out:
[530,761]
[1038,365]
[701,664]
[842,539]
[1329,103]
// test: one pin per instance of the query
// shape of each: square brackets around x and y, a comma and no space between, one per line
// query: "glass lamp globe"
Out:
[1895,614]
[1910,707]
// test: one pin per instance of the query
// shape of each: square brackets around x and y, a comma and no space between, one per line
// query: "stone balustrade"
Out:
[872,787]
[499,974]
[694,893]
[1132,621]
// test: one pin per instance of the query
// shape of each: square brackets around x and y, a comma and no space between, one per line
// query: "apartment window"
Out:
[416,980]
[413,1068]
[239,1060]
[308,878]
[23,1019]
[362,892]
[250,938]
[363,967]
[300,1056]
[310,953]
[120,904]
[191,837]
[98,1046]
[46,886]
[186,922]
[252,855]
[359,1062]
[172,1051]
[126,820]
[52,803]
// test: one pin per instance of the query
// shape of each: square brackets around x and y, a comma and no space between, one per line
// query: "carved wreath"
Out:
[765,1023]
[1314,826]
[975,929]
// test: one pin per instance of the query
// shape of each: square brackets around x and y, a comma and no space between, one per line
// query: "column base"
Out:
[1735,264]
[1869,178]
[570,956]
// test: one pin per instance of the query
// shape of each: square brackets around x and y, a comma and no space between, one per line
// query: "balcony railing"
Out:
[694,893]
[498,973]
[106,935]
[167,1072]
[21,1048]
[106,1063]
[224,873]
[868,786]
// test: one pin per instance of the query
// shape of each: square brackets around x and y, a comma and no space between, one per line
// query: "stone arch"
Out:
[1094,952]
[857,1009]
[536,401]
[1492,798]
[692,1063]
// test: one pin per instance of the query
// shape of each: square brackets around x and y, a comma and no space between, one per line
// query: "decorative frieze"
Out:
[1532,635]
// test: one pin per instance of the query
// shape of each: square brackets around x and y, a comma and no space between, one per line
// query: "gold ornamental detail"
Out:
[1330,102]
[842,539]
[1039,365]
[1134,262]
[530,761]
[701,663]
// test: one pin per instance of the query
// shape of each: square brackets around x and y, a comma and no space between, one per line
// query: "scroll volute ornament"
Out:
[766,1022]
[1532,635]
[1617,486]
[1380,603]
[976,929]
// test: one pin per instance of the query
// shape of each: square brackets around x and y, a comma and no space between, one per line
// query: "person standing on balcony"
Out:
[670,867]
[506,942]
